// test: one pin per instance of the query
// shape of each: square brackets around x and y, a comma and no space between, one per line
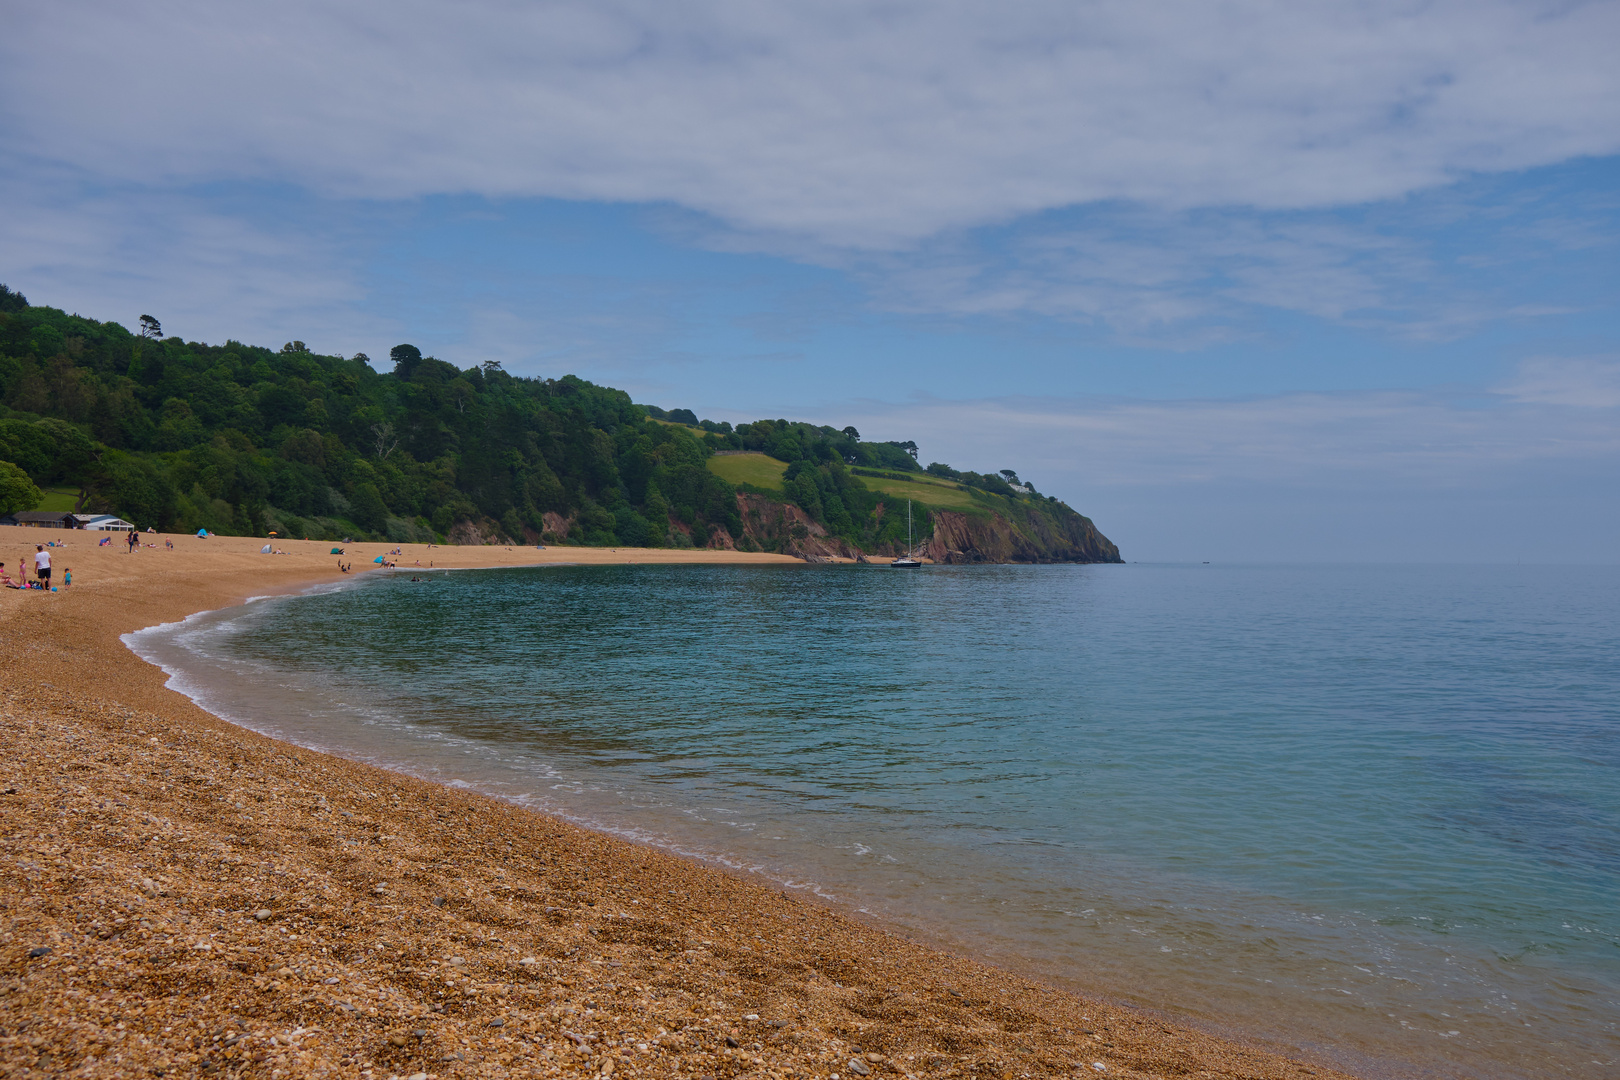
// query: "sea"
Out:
[1366,815]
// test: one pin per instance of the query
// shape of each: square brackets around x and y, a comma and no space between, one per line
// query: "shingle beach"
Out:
[189,898]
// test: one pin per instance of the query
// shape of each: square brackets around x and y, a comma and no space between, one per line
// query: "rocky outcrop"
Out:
[557,526]
[1033,534]
[778,526]
[477,533]
[1030,537]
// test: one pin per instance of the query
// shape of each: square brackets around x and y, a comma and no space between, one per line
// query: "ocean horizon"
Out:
[1367,813]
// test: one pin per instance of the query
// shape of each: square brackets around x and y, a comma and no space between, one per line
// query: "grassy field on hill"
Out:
[58,499]
[756,469]
[937,493]
[765,472]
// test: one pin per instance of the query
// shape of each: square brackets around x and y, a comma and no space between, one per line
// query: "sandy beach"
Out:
[193,899]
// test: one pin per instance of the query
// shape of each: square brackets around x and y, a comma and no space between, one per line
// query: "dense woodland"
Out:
[243,440]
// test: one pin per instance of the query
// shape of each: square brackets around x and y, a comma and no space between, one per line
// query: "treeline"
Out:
[241,439]
[792,441]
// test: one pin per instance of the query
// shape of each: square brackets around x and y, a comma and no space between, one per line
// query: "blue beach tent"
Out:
[379,559]
[203,533]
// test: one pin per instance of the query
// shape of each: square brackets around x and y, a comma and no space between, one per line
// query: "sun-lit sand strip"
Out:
[188,898]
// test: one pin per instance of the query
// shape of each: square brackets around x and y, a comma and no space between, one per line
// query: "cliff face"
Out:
[1030,537]
[777,526]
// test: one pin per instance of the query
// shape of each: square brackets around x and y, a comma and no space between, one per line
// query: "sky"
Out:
[1241,281]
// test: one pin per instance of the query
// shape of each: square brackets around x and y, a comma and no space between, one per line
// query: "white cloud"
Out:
[852,123]
[1381,476]
[1148,275]
[1580,382]
[204,273]
[1407,439]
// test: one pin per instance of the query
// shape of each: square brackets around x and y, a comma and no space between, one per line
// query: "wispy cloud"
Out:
[1524,471]
[857,125]
[117,252]
[1434,267]
[1555,411]
[1585,383]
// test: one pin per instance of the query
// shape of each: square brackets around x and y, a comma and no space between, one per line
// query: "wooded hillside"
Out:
[243,440]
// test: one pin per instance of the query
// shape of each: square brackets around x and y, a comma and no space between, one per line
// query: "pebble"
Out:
[506,862]
[856,1065]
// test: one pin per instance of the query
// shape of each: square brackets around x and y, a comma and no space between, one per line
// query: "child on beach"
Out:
[67,577]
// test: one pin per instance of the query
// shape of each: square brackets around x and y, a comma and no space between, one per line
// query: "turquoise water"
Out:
[1369,814]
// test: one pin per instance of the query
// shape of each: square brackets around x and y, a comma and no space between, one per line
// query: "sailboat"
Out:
[907,561]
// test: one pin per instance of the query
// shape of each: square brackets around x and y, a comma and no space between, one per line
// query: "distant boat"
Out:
[906,561]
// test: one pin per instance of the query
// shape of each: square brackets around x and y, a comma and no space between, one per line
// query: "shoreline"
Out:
[216,902]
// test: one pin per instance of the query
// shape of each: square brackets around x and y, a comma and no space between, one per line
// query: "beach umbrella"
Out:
[379,559]
[265,550]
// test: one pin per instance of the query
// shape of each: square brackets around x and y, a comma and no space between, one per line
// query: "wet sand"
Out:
[189,898]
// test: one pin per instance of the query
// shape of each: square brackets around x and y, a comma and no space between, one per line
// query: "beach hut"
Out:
[38,519]
[104,523]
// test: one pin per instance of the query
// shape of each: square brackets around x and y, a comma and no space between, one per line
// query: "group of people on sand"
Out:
[42,572]
[133,539]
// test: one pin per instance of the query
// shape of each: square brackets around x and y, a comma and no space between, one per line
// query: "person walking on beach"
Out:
[42,566]
[134,541]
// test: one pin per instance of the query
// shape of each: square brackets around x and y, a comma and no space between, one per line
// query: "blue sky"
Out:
[1248,280]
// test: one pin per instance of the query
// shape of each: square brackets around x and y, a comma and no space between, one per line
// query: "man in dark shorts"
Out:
[42,566]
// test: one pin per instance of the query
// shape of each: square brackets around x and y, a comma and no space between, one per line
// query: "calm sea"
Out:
[1369,814]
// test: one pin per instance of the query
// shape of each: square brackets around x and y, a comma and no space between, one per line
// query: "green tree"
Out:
[231,436]
[405,358]
[370,512]
[17,491]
